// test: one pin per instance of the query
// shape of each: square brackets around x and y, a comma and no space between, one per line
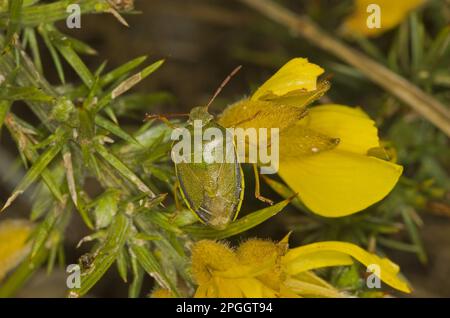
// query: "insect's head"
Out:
[200,113]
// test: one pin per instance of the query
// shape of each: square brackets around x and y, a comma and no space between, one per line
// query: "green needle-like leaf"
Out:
[13,93]
[44,229]
[15,14]
[77,64]
[30,35]
[241,225]
[16,128]
[105,256]
[438,48]
[67,50]
[417,38]
[54,54]
[123,169]
[35,171]
[121,70]
[397,245]
[55,11]
[415,236]
[127,84]
[148,261]
[122,264]
[68,166]
[4,110]
[115,129]
[138,276]
[160,219]
[80,46]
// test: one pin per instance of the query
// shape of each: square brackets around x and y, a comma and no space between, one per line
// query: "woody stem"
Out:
[424,104]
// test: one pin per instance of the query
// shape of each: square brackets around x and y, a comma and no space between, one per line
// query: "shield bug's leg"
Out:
[175,195]
[257,187]
[178,206]
[246,120]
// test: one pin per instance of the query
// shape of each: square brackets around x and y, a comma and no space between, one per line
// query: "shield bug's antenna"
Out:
[164,118]
[225,82]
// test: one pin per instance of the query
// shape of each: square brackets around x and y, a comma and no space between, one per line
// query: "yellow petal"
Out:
[315,259]
[336,183]
[202,291]
[280,101]
[13,246]
[299,141]
[248,287]
[273,111]
[306,289]
[207,290]
[253,288]
[340,179]
[388,269]
[392,13]
[356,131]
[285,292]
[296,75]
[228,288]
[161,293]
[312,278]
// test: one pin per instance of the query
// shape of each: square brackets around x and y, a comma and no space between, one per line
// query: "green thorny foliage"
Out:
[79,137]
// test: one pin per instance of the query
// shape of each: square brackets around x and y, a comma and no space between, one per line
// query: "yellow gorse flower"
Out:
[341,180]
[392,14]
[259,268]
[13,243]
[324,152]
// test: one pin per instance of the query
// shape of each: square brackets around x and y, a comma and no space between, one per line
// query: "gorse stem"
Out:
[426,105]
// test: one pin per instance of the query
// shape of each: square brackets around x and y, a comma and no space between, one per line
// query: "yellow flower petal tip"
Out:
[281,101]
[296,75]
[391,14]
[325,254]
[262,268]
[341,180]
[13,243]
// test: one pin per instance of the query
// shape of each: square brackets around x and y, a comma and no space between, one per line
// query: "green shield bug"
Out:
[213,190]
